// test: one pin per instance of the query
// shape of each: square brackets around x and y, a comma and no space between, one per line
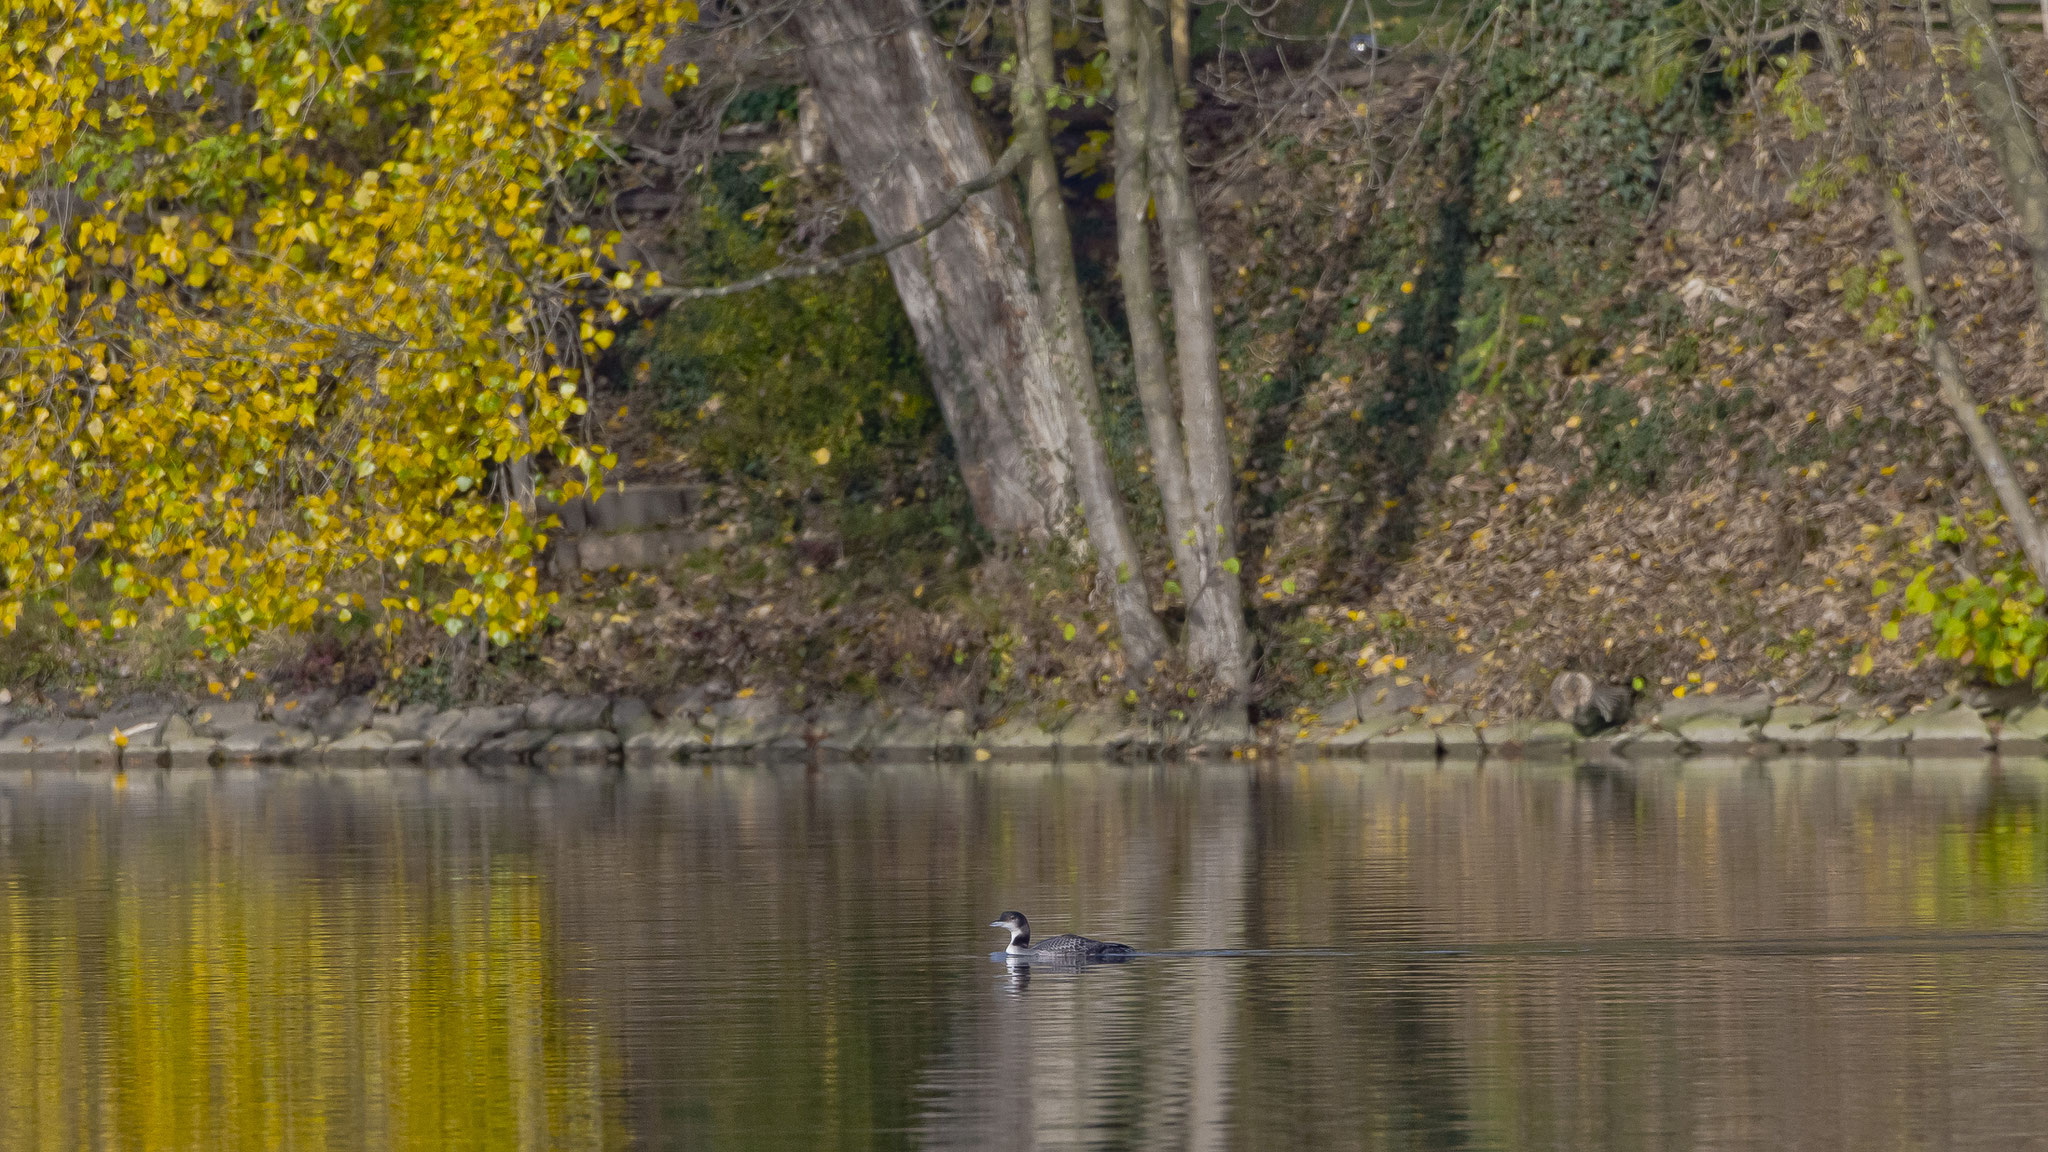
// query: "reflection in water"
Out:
[1784,955]
[184,969]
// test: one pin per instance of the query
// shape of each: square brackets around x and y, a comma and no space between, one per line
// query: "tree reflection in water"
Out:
[1338,955]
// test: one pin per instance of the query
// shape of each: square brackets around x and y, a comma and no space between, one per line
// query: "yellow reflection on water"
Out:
[219,996]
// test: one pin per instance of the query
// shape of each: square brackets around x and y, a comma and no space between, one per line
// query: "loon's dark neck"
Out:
[1020,937]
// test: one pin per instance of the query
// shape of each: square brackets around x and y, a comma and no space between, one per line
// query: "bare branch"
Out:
[1006,165]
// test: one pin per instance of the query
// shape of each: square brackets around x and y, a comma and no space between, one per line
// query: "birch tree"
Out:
[1120,566]
[1868,142]
[2015,140]
[1190,449]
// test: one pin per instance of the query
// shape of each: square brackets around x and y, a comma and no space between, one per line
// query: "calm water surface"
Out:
[1715,956]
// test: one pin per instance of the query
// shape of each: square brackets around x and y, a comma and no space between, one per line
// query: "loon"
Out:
[1056,947]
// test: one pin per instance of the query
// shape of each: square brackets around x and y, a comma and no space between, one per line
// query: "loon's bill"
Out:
[1066,947]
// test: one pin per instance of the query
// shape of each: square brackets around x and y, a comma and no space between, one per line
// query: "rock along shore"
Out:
[316,728]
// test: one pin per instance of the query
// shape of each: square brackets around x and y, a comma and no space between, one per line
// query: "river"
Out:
[1763,955]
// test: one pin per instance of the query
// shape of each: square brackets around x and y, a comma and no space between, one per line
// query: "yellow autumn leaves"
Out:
[293,305]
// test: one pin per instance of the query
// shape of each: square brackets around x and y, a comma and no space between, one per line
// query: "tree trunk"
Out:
[1197,501]
[1948,367]
[1178,31]
[1215,597]
[1122,571]
[1149,351]
[2010,126]
[900,124]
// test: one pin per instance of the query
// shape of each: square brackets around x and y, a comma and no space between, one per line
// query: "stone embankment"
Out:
[554,731]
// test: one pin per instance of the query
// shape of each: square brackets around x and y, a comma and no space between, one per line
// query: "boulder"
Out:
[2025,732]
[1719,732]
[265,741]
[357,749]
[592,746]
[953,739]
[1460,741]
[1094,733]
[133,716]
[408,723]
[631,716]
[1414,742]
[94,748]
[2001,698]
[46,741]
[76,704]
[180,747]
[666,744]
[304,709]
[568,713]
[441,724]
[755,725]
[1348,739]
[406,752]
[842,731]
[911,734]
[1799,726]
[33,735]
[1948,732]
[1216,735]
[509,748]
[1379,721]
[1804,729]
[1753,709]
[454,735]
[351,715]
[1655,744]
[1391,696]
[1018,740]
[1534,739]
[222,717]
[686,701]
[1873,735]
[144,746]
[292,742]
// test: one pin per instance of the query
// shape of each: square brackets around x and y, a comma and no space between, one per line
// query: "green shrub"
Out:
[1992,623]
[810,385]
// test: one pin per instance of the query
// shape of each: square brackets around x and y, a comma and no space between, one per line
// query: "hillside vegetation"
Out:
[1550,338]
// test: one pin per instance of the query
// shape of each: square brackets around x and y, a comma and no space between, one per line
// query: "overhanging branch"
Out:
[956,199]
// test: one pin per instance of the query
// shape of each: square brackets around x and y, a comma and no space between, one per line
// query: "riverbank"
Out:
[709,724]
[1686,448]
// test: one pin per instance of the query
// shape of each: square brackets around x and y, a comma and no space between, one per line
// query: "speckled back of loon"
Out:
[1070,946]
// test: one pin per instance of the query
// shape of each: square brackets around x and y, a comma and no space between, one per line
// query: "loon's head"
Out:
[1020,928]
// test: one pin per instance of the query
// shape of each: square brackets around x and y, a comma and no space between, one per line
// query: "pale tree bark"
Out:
[1948,366]
[905,137]
[1178,30]
[2009,124]
[1122,574]
[1222,645]
[1190,450]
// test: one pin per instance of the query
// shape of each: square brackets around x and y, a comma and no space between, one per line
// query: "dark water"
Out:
[1714,956]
